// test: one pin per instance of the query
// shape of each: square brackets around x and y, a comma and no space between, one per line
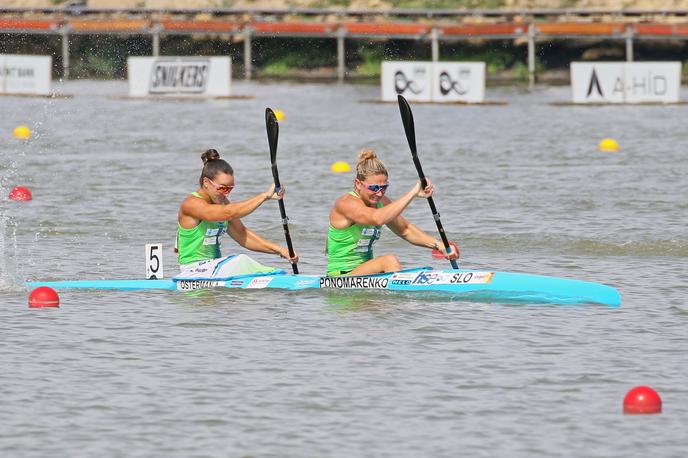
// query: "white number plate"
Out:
[154,269]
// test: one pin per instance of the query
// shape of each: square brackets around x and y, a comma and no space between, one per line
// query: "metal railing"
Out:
[333,24]
[402,13]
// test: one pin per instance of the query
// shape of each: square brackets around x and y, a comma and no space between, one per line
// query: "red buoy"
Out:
[20,193]
[642,399]
[43,296]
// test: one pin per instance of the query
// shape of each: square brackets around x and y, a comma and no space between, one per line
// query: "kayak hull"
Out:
[482,286]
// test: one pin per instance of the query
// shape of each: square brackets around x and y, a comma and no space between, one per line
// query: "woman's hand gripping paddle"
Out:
[407,119]
[273,133]
[440,255]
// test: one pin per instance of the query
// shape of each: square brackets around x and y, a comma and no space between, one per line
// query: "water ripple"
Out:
[521,187]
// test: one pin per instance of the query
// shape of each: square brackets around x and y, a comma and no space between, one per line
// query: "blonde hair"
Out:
[368,164]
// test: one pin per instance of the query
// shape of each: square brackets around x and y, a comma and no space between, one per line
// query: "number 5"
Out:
[154,267]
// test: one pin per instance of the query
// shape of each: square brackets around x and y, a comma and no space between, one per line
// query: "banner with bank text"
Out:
[434,82]
[25,75]
[625,82]
[179,76]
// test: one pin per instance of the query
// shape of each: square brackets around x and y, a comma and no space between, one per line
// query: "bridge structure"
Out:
[533,26]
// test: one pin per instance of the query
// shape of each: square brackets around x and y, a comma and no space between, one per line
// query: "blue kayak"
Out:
[473,285]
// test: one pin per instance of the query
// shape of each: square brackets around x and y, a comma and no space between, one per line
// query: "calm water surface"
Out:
[521,187]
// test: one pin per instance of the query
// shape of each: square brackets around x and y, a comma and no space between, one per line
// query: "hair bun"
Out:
[366,154]
[368,164]
[210,155]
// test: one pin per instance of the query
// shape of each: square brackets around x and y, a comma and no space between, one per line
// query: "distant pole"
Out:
[531,56]
[629,43]
[65,52]
[434,36]
[247,53]
[341,58]
[156,39]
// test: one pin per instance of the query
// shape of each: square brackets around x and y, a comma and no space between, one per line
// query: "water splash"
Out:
[8,174]
[3,256]
[7,267]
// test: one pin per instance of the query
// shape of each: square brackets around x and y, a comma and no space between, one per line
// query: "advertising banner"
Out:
[413,80]
[20,74]
[458,82]
[625,82]
[434,82]
[179,76]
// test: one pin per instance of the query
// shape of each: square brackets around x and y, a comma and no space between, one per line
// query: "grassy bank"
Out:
[104,56]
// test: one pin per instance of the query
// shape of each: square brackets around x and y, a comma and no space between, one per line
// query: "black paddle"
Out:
[407,119]
[273,133]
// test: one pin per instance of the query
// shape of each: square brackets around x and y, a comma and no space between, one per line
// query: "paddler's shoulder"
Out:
[194,199]
[348,199]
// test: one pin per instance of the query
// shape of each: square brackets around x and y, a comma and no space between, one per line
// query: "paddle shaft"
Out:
[273,134]
[285,220]
[407,119]
[433,209]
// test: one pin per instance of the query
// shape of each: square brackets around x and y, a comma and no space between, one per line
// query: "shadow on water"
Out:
[347,301]
[365,301]
[383,301]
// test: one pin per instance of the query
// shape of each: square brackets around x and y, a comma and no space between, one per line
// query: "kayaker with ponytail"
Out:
[207,214]
[358,216]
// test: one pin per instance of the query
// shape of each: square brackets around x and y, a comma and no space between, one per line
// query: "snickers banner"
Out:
[179,76]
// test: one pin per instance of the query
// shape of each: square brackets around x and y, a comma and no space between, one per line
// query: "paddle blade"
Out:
[273,133]
[407,119]
[439,255]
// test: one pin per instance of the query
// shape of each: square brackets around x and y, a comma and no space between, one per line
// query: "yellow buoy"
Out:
[279,115]
[340,167]
[22,132]
[608,145]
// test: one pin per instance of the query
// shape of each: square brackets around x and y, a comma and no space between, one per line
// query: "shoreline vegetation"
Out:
[105,56]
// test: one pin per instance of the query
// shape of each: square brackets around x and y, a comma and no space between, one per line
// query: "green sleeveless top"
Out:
[201,242]
[350,247]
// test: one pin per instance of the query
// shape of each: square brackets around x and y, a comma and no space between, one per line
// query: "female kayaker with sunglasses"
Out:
[358,216]
[207,214]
